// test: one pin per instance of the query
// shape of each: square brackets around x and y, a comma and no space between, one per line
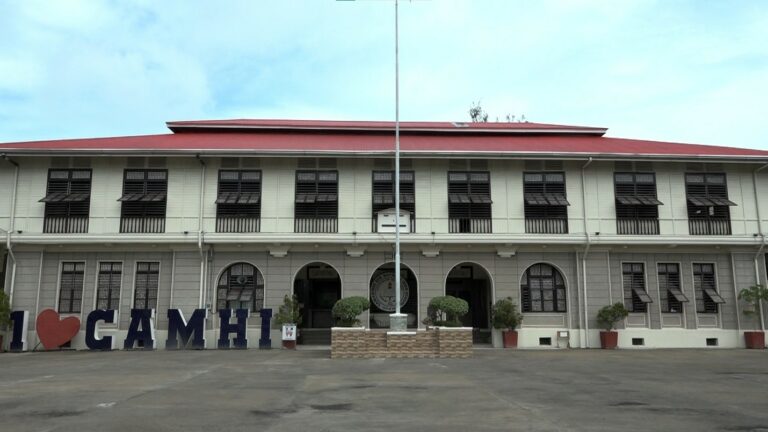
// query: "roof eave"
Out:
[179,127]
[421,154]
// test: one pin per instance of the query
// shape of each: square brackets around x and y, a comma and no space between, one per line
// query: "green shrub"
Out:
[5,311]
[289,312]
[608,316]
[505,314]
[753,296]
[446,311]
[347,310]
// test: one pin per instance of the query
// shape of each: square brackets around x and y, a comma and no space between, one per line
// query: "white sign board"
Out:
[289,332]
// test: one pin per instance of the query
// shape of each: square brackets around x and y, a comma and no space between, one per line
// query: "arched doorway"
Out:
[317,287]
[240,286]
[471,282]
[382,295]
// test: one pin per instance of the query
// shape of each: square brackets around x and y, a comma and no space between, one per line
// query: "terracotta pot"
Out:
[289,344]
[609,339]
[510,338]
[754,339]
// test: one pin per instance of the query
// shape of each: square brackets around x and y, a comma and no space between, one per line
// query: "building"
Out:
[239,213]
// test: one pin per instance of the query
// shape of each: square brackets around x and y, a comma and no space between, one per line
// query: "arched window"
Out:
[543,289]
[241,286]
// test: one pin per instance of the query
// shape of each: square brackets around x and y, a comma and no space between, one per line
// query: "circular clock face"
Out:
[383,291]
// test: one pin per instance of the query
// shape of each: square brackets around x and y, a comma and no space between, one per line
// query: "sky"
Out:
[671,70]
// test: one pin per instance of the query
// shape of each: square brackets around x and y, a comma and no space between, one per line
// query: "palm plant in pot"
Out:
[607,317]
[753,296]
[5,316]
[506,317]
[289,318]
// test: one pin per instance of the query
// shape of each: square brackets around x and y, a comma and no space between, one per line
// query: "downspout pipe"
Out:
[8,234]
[200,240]
[762,240]
[586,251]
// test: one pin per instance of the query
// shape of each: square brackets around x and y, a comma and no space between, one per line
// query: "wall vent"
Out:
[638,341]
[478,165]
[250,162]
[553,165]
[643,166]
[458,165]
[534,165]
[60,162]
[712,342]
[545,341]
[135,162]
[325,163]
[80,162]
[156,162]
[715,167]
[230,163]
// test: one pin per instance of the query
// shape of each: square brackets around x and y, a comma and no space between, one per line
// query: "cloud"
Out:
[685,71]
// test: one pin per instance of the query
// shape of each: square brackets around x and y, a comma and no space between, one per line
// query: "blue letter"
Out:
[265,342]
[241,342]
[141,317]
[91,340]
[20,326]
[195,330]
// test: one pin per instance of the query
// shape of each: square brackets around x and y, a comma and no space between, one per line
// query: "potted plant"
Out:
[289,317]
[607,317]
[506,317]
[347,310]
[5,316]
[753,296]
[446,311]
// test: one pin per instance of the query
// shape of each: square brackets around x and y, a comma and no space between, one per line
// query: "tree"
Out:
[477,114]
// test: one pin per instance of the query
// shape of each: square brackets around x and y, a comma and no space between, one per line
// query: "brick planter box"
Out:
[434,342]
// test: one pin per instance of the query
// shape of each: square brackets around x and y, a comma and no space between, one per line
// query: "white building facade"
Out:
[240,213]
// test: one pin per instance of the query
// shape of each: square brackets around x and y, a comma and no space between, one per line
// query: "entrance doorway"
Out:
[317,287]
[472,283]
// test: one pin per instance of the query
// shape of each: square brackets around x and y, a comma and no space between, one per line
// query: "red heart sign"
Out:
[54,331]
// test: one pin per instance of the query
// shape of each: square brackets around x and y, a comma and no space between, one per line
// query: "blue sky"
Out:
[673,70]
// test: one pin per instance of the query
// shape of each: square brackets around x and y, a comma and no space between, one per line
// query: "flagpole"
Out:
[398,322]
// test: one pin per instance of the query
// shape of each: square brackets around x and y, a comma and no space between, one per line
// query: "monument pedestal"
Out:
[398,322]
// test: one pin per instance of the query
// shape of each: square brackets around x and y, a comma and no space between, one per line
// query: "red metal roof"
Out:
[272,142]
[336,125]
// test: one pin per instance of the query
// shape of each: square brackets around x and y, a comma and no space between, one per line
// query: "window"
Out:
[71,287]
[241,286]
[469,202]
[546,206]
[144,201]
[705,287]
[672,297]
[67,201]
[317,203]
[147,280]
[543,289]
[108,288]
[637,210]
[636,298]
[384,194]
[238,203]
[708,204]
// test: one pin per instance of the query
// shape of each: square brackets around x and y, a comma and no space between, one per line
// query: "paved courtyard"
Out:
[660,390]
